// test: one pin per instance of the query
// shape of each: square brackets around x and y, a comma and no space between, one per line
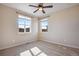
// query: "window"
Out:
[44,25]
[24,23]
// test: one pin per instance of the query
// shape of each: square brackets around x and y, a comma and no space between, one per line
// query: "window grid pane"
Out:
[21,26]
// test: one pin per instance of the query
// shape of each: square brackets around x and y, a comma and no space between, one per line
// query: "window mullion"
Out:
[24,27]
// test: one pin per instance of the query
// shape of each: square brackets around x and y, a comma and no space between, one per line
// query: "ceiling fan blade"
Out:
[35,10]
[43,11]
[50,6]
[33,6]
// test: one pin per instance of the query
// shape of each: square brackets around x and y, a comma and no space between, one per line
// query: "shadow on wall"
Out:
[35,51]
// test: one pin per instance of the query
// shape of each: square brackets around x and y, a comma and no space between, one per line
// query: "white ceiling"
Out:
[24,7]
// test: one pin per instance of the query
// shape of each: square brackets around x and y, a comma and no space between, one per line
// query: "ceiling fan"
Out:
[41,7]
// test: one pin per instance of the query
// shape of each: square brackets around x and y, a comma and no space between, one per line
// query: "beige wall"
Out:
[63,28]
[9,35]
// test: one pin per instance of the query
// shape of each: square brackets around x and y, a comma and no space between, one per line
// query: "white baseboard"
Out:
[72,46]
[15,44]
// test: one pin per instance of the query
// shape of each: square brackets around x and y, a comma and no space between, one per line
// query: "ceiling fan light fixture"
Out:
[40,8]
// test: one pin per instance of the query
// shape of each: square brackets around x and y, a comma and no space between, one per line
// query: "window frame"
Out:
[27,18]
[42,20]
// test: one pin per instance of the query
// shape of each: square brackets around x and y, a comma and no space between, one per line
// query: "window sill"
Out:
[24,32]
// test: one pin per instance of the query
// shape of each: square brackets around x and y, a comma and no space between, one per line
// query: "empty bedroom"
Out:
[39,29]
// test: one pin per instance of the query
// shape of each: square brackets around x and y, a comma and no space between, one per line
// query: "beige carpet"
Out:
[40,48]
